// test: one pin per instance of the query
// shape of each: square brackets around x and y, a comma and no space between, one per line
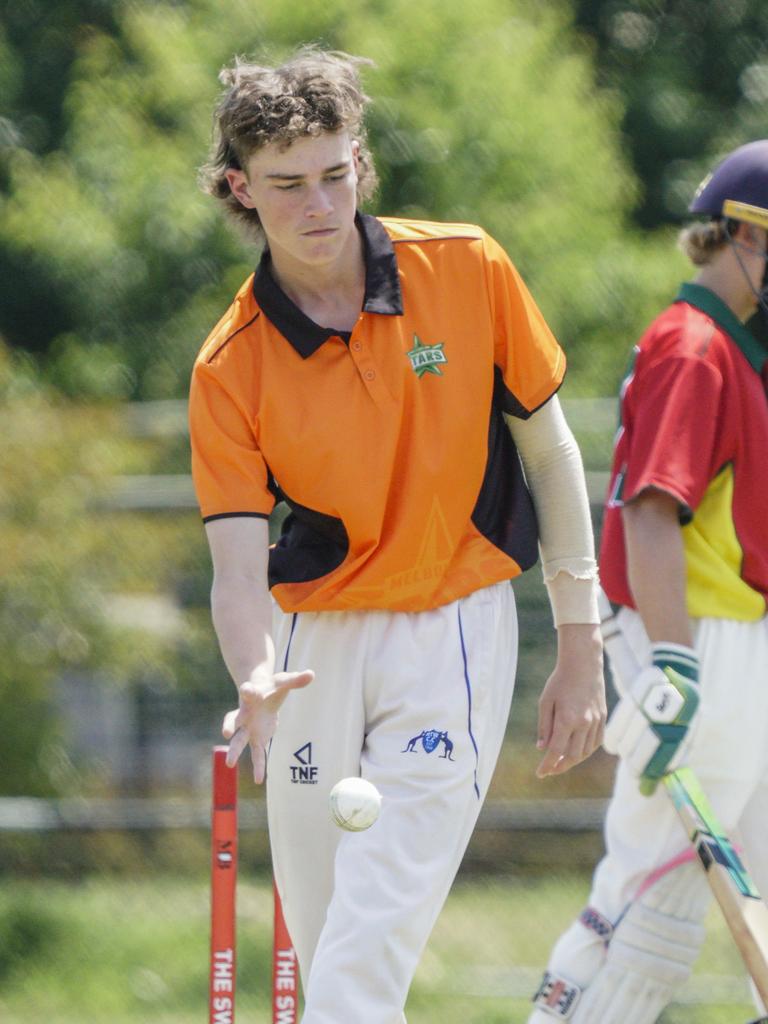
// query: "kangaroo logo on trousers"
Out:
[430,739]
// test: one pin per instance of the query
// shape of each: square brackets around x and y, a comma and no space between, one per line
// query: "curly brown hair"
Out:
[702,239]
[315,91]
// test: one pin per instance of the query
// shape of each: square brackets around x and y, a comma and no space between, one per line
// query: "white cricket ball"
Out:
[355,804]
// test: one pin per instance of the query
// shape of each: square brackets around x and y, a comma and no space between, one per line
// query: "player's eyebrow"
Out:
[299,177]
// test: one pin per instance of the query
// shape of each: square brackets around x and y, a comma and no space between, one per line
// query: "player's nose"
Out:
[318,202]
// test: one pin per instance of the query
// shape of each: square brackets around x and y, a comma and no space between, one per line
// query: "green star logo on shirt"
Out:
[426,358]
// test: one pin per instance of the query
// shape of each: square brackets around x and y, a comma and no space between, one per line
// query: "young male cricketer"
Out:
[684,554]
[365,375]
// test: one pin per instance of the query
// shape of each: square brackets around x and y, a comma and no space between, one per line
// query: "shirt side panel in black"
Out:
[504,512]
[312,544]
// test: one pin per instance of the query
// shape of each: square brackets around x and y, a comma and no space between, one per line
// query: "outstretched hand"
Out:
[254,722]
[572,707]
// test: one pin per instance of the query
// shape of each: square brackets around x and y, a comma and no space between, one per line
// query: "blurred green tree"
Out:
[113,267]
[69,563]
[489,116]
[38,44]
[694,81]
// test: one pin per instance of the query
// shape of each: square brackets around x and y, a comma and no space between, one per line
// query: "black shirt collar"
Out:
[382,291]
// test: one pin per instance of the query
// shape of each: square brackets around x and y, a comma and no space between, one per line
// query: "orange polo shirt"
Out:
[387,443]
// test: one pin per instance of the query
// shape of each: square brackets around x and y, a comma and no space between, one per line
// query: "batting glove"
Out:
[651,726]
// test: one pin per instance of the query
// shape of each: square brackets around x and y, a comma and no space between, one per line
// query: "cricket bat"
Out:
[742,907]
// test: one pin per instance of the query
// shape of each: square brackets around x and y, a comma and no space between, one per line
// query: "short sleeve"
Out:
[671,422]
[228,469]
[531,362]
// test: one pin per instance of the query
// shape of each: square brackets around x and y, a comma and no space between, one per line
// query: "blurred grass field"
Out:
[132,952]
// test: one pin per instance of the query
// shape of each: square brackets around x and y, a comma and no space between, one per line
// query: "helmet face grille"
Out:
[738,187]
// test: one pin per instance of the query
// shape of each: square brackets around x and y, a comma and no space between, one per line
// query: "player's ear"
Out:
[240,187]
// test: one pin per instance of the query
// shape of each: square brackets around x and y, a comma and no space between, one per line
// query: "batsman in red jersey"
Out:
[684,556]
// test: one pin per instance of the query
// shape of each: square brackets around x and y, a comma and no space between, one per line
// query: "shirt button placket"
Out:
[363,362]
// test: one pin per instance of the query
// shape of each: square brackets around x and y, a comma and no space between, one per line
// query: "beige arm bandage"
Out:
[555,475]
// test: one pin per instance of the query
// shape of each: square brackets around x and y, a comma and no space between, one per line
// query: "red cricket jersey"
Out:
[694,423]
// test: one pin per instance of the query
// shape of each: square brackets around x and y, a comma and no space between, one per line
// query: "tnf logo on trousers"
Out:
[304,772]
[426,358]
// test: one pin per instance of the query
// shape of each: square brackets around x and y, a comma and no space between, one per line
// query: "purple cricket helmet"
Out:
[738,186]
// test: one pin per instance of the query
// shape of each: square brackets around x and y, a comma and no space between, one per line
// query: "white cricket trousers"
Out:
[646,861]
[729,754]
[417,703]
